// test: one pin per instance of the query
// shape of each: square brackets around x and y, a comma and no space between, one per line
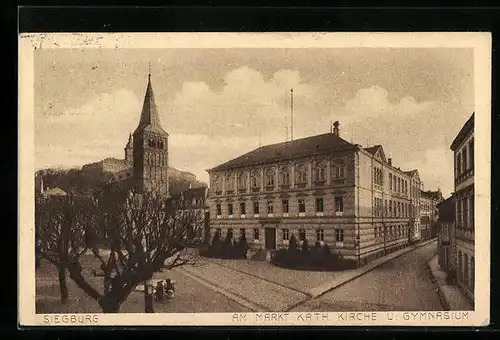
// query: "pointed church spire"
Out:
[149,115]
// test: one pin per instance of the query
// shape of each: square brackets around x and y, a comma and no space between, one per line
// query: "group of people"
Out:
[164,288]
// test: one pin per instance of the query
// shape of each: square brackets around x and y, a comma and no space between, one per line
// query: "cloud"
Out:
[209,125]
[374,102]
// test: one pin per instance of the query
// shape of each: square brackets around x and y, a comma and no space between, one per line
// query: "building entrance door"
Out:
[270,238]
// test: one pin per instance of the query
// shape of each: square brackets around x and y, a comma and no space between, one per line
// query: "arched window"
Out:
[229,182]
[319,171]
[269,177]
[284,175]
[301,174]
[254,179]
[242,180]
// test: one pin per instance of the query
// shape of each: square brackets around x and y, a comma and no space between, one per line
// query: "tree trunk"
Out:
[148,299]
[110,305]
[63,288]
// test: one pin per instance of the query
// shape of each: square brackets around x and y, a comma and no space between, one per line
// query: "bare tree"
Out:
[131,236]
[52,235]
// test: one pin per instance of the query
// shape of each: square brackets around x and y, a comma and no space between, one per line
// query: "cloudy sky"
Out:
[217,104]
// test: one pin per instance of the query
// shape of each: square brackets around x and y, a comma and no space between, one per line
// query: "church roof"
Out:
[150,122]
[318,144]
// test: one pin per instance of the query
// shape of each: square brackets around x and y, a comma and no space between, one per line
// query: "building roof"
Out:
[150,121]
[464,132]
[55,192]
[302,147]
[373,149]
[436,195]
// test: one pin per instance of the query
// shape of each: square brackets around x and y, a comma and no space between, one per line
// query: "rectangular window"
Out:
[242,208]
[230,209]
[319,205]
[302,206]
[458,166]
[286,234]
[284,206]
[302,234]
[390,208]
[390,181]
[242,232]
[385,208]
[230,233]
[375,232]
[219,209]
[471,154]
[256,234]
[320,235]
[270,208]
[465,211]
[399,209]
[339,235]
[464,159]
[471,226]
[256,208]
[339,204]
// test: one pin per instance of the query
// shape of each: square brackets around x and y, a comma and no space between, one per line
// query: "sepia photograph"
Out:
[296,180]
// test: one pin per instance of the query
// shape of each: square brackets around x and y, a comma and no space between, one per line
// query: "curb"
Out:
[414,247]
[442,297]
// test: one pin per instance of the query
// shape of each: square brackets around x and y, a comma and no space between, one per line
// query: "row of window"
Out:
[463,269]
[465,212]
[391,209]
[398,184]
[391,231]
[284,177]
[320,234]
[339,206]
[155,159]
[465,158]
[152,143]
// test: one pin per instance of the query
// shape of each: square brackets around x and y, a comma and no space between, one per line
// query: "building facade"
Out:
[194,200]
[446,235]
[429,213]
[463,148]
[320,188]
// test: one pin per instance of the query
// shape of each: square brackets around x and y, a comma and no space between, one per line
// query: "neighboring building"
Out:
[446,234]
[320,188]
[429,212]
[463,148]
[195,200]
[415,185]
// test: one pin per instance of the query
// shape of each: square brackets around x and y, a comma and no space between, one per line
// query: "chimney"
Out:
[389,161]
[336,128]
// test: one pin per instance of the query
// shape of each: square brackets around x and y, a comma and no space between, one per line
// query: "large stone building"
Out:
[463,148]
[320,188]
[429,212]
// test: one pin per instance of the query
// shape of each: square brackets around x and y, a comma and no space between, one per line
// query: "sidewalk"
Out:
[349,275]
[450,295]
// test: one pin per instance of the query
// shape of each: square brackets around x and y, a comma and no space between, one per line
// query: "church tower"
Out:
[150,148]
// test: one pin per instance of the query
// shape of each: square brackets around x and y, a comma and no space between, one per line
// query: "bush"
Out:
[227,248]
[317,258]
[292,244]
[305,246]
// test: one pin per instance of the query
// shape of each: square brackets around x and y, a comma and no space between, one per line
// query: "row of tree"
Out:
[129,235]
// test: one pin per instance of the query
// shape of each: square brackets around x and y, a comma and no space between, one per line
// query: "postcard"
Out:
[270,179]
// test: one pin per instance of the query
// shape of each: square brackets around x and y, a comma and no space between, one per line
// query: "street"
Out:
[403,284]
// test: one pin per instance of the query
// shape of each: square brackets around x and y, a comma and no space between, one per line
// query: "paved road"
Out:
[403,284]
